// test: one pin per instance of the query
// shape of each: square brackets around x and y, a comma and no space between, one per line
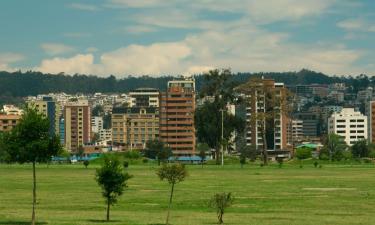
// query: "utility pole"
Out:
[222,137]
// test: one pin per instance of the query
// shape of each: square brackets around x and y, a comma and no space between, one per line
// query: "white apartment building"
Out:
[144,97]
[294,131]
[105,134]
[349,124]
[96,124]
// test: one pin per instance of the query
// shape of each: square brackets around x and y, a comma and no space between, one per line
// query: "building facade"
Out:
[177,107]
[50,109]
[257,105]
[144,97]
[370,113]
[133,127]
[349,124]
[294,131]
[96,124]
[8,122]
[77,124]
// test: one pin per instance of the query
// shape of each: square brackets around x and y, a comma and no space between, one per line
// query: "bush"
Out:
[347,155]
[280,161]
[126,164]
[145,160]
[303,153]
[86,163]
[132,155]
[323,156]
[316,164]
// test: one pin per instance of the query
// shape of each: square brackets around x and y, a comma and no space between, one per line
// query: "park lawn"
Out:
[68,194]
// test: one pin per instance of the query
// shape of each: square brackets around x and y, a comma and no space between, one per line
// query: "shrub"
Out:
[280,161]
[86,163]
[316,164]
[303,153]
[145,160]
[132,155]
[126,164]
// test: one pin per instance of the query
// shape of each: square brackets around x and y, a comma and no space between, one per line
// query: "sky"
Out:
[174,37]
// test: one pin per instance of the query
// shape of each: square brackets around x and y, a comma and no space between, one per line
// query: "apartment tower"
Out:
[177,106]
[77,121]
[259,104]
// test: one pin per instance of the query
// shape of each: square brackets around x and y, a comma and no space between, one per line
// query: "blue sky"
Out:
[158,37]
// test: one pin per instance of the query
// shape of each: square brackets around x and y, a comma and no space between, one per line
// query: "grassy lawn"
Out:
[68,194]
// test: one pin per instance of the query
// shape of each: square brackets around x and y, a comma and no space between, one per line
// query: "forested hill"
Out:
[18,84]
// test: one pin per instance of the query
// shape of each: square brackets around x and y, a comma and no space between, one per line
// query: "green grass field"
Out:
[68,194]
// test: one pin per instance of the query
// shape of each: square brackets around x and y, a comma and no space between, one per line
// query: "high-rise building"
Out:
[133,127]
[8,122]
[294,131]
[310,123]
[50,109]
[349,124]
[77,118]
[260,104]
[177,107]
[96,124]
[370,113]
[144,97]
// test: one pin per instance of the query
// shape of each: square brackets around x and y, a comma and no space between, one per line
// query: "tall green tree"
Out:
[112,179]
[174,174]
[360,149]
[217,92]
[30,142]
[203,149]
[156,149]
[335,145]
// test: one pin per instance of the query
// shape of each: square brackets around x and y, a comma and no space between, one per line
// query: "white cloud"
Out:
[8,58]
[82,64]
[56,48]
[91,49]
[139,3]
[85,7]
[357,24]
[140,29]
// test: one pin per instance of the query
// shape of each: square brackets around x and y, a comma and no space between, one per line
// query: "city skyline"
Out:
[124,37]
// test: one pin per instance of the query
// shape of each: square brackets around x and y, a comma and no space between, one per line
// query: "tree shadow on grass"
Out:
[103,221]
[20,223]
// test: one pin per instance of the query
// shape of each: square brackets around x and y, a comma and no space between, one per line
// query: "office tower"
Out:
[177,106]
[144,97]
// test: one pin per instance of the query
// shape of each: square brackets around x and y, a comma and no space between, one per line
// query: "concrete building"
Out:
[50,109]
[349,124]
[370,113]
[77,121]
[177,107]
[310,123]
[144,97]
[105,134]
[133,127]
[8,122]
[96,124]
[11,110]
[294,131]
[258,104]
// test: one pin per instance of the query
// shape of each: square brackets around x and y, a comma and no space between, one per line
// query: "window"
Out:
[340,126]
[340,121]
[360,125]
[341,132]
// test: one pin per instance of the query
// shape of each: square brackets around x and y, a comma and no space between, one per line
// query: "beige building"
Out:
[77,117]
[8,122]
[133,127]
[50,109]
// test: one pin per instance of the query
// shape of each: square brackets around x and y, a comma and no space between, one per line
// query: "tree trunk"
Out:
[34,195]
[265,153]
[217,155]
[221,218]
[170,204]
[202,163]
[108,206]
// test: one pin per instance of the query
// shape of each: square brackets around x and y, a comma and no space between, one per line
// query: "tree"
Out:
[334,145]
[30,142]
[86,163]
[112,180]
[156,149]
[208,120]
[203,148]
[173,173]
[242,159]
[275,104]
[218,85]
[221,201]
[360,149]
[80,152]
[303,153]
